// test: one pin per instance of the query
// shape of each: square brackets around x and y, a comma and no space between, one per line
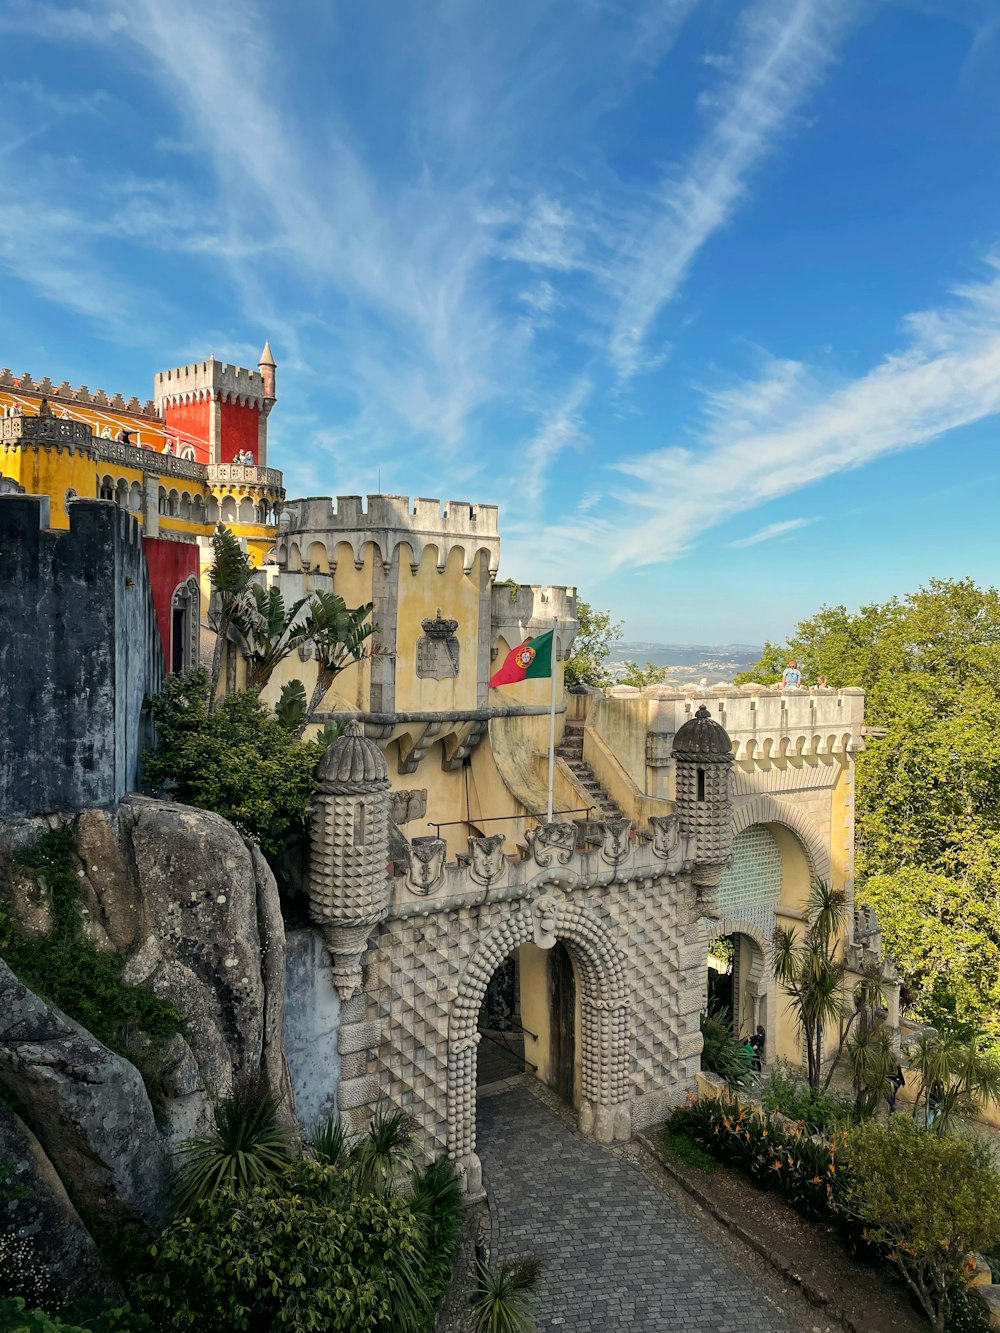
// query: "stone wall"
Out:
[79,650]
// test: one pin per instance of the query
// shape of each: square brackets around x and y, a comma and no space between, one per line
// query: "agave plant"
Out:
[378,1157]
[329,1144]
[246,1146]
[505,1296]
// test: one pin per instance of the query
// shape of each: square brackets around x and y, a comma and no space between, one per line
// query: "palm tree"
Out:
[230,575]
[873,1062]
[813,977]
[339,637]
[268,631]
[951,1072]
[504,1297]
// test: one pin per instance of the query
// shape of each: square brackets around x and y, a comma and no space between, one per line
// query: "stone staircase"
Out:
[570,749]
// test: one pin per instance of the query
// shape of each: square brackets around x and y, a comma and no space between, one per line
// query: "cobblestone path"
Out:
[619,1254]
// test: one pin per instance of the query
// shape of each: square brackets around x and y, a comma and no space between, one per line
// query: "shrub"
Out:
[684,1148]
[379,1156]
[16,1317]
[238,760]
[329,1145]
[722,1052]
[821,1112]
[928,1200]
[299,1251]
[504,1296]
[246,1146]
[436,1200]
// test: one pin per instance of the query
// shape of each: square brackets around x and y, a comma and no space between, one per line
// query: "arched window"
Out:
[173,504]
[185,509]
[185,608]
[359,824]
[161,501]
[106,490]
[121,493]
[246,510]
[135,498]
[228,511]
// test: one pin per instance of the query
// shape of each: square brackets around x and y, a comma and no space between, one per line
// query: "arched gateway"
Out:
[413,953]
[604,1021]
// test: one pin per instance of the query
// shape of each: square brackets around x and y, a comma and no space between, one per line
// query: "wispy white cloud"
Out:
[772,530]
[787,430]
[786,47]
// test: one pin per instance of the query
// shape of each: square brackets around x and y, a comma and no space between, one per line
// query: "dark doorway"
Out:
[501,1037]
[562,997]
[179,637]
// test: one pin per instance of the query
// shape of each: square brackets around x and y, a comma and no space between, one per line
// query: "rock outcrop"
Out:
[86,1105]
[35,1207]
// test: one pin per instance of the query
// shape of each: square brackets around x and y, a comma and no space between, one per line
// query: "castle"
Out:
[446,906]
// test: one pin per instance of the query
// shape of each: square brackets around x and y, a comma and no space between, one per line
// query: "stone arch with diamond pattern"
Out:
[604,996]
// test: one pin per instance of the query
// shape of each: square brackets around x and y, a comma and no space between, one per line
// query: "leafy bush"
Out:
[238,760]
[83,981]
[802,1168]
[299,1251]
[684,1148]
[436,1200]
[821,1112]
[246,1146]
[928,1200]
[379,1156]
[504,1296]
[16,1317]
[723,1053]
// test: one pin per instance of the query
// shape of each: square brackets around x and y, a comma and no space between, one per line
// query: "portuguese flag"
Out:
[529,661]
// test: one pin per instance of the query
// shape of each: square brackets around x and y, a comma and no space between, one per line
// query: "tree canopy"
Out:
[594,640]
[928,790]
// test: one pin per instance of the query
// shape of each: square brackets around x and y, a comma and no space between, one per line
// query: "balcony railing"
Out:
[46,430]
[149,460]
[225,473]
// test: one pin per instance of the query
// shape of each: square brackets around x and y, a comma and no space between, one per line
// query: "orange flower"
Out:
[816,1180]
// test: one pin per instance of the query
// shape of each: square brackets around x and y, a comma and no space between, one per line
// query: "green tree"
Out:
[595,637]
[238,760]
[268,632]
[339,637]
[643,676]
[230,575]
[929,1200]
[928,785]
[954,1075]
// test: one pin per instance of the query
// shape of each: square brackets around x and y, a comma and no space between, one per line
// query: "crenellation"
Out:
[212,379]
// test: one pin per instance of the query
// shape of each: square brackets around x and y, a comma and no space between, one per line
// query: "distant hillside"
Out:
[690,662]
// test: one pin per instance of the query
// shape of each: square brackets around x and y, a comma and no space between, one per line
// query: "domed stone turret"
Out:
[348,878]
[703,754]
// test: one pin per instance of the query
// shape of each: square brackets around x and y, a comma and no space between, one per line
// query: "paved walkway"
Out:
[618,1254]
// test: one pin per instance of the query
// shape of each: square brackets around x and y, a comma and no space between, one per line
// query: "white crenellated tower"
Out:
[704,757]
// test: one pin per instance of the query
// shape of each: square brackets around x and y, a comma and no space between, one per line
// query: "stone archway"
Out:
[604,1034]
[764,809]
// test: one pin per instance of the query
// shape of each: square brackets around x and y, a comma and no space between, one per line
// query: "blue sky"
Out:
[704,293]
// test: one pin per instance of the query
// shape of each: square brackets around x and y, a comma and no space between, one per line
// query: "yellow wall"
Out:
[52,472]
[533,969]
[419,597]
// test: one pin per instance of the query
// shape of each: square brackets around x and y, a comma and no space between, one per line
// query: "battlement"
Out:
[763,722]
[209,379]
[520,610]
[390,521]
[65,393]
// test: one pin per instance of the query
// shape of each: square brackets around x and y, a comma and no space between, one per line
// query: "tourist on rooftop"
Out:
[791,677]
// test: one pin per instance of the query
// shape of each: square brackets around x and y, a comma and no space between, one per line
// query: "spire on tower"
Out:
[266,365]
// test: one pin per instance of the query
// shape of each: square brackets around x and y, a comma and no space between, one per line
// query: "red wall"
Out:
[189,421]
[169,563]
[238,430]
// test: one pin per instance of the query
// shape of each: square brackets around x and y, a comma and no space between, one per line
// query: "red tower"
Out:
[218,413]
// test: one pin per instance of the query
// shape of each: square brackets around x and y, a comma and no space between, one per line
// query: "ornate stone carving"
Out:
[438,649]
[615,846]
[552,843]
[543,920]
[488,861]
[426,864]
[407,805]
[666,831]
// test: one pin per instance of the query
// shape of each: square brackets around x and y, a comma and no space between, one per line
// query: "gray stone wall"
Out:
[79,650]
[312,1026]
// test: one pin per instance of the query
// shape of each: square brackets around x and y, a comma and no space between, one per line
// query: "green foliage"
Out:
[594,639]
[339,637]
[268,632]
[821,1112]
[379,1156]
[81,980]
[928,791]
[16,1317]
[803,1168]
[292,707]
[684,1149]
[873,1063]
[329,1144]
[230,575]
[928,1200]
[299,1251]
[641,676]
[246,1146]
[723,1053]
[954,1075]
[238,760]
[504,1296]
[436,1201]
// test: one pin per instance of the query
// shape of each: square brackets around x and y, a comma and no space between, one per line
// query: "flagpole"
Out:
[552,717]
